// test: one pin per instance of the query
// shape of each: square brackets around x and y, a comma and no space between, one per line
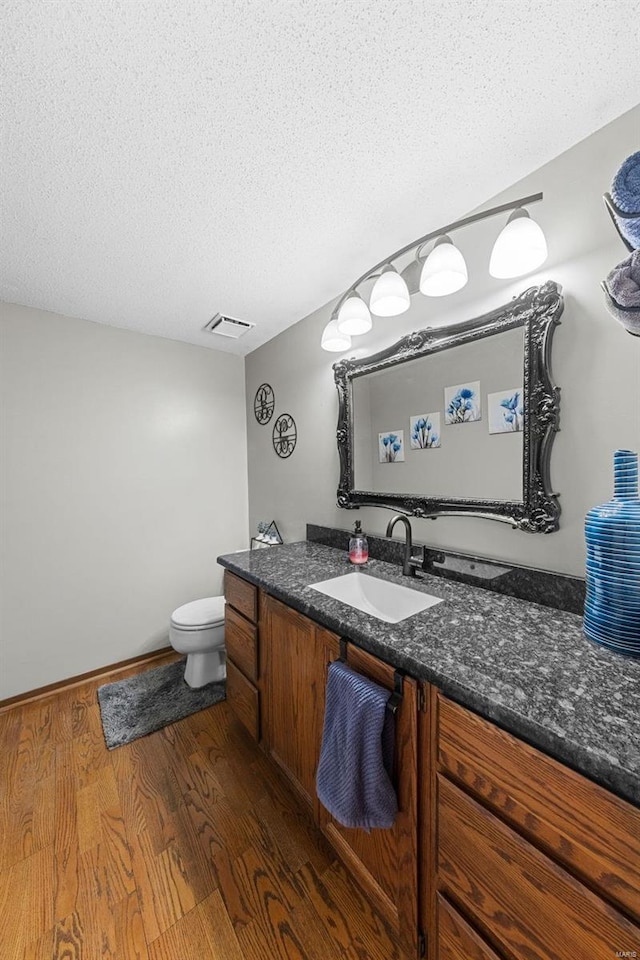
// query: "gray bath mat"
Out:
[151,700]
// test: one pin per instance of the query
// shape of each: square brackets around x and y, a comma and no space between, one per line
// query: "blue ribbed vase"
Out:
[612,607]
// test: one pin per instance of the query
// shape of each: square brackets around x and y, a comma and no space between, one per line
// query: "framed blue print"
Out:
[506,411]
[462,403]
[425,431]
[391,446]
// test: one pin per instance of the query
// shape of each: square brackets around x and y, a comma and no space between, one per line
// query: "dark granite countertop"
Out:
[525,666]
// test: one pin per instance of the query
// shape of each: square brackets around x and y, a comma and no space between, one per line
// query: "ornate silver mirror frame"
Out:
[537,310]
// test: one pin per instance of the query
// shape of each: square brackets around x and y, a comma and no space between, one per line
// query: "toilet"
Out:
[197,630]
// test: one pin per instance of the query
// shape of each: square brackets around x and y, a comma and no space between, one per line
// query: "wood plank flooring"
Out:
[183,845]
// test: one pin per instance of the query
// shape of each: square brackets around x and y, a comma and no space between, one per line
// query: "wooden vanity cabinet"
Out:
[241,634]
[456,939]
[499,852]
[385,862]
[529,860]
[295,652]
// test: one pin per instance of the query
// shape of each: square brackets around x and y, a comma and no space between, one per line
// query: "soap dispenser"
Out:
[358,546]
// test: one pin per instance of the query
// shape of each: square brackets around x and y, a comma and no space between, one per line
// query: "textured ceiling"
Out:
[163,161]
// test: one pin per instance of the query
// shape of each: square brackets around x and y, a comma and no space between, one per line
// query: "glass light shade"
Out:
[444,270]
[354,318]
[334,341]
[390,294]
[519,249]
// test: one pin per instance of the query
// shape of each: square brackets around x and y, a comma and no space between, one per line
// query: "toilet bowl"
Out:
[197,630]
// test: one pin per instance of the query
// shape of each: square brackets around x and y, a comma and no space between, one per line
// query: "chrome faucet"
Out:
[423,560]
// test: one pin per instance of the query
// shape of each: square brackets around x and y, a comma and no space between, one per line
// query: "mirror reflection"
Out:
[445,425]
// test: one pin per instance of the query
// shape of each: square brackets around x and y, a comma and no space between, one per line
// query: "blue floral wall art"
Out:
[506,411]
[425,431]
[391,446]
[462,403]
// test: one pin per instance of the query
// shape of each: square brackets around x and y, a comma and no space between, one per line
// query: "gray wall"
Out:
[596,363]
[470,462]
[124,475]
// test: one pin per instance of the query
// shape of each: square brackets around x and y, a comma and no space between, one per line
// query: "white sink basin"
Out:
[383,599]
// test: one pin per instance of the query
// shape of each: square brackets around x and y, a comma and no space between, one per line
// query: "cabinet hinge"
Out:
[422,698]
[422,945]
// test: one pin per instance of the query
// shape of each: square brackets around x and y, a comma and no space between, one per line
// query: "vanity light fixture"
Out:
[520,248]
[444,270]
[390,294]
[354,317]
[333,340]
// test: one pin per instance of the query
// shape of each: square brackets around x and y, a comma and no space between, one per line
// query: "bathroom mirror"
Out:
[456,420]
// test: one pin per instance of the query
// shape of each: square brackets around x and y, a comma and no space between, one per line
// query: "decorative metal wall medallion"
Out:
[285,435]
[264,403]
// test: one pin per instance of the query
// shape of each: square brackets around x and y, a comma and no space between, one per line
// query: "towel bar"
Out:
[395,699]
[615,212]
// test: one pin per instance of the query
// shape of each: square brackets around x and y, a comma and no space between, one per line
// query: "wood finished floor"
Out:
[185,844]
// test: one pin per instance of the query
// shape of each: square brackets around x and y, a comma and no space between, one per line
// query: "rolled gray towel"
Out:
[629,317]
[622,293]
[623,283]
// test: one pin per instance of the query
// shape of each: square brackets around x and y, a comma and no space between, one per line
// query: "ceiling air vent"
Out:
[228,326]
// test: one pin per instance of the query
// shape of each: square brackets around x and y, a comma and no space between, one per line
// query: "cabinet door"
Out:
[596,835]
[530,907]
[243,699]
[457,940]
[241,641]
[385,861]
[294,655]
[242,595]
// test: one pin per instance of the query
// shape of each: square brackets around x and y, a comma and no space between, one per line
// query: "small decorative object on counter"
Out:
[612,607]
[358,546]
[268,535]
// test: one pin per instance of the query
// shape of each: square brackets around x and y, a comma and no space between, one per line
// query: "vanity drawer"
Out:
[529,906]
[244,700]
[241,642]
[456,939]
[595,834]
[242,595]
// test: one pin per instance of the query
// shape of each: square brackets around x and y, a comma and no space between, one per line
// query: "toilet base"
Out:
[203,668]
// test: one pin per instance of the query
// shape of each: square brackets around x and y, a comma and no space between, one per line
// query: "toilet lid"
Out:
[199,613]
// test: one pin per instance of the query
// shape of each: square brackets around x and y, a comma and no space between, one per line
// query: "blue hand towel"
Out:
[354,774]
[625,193]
